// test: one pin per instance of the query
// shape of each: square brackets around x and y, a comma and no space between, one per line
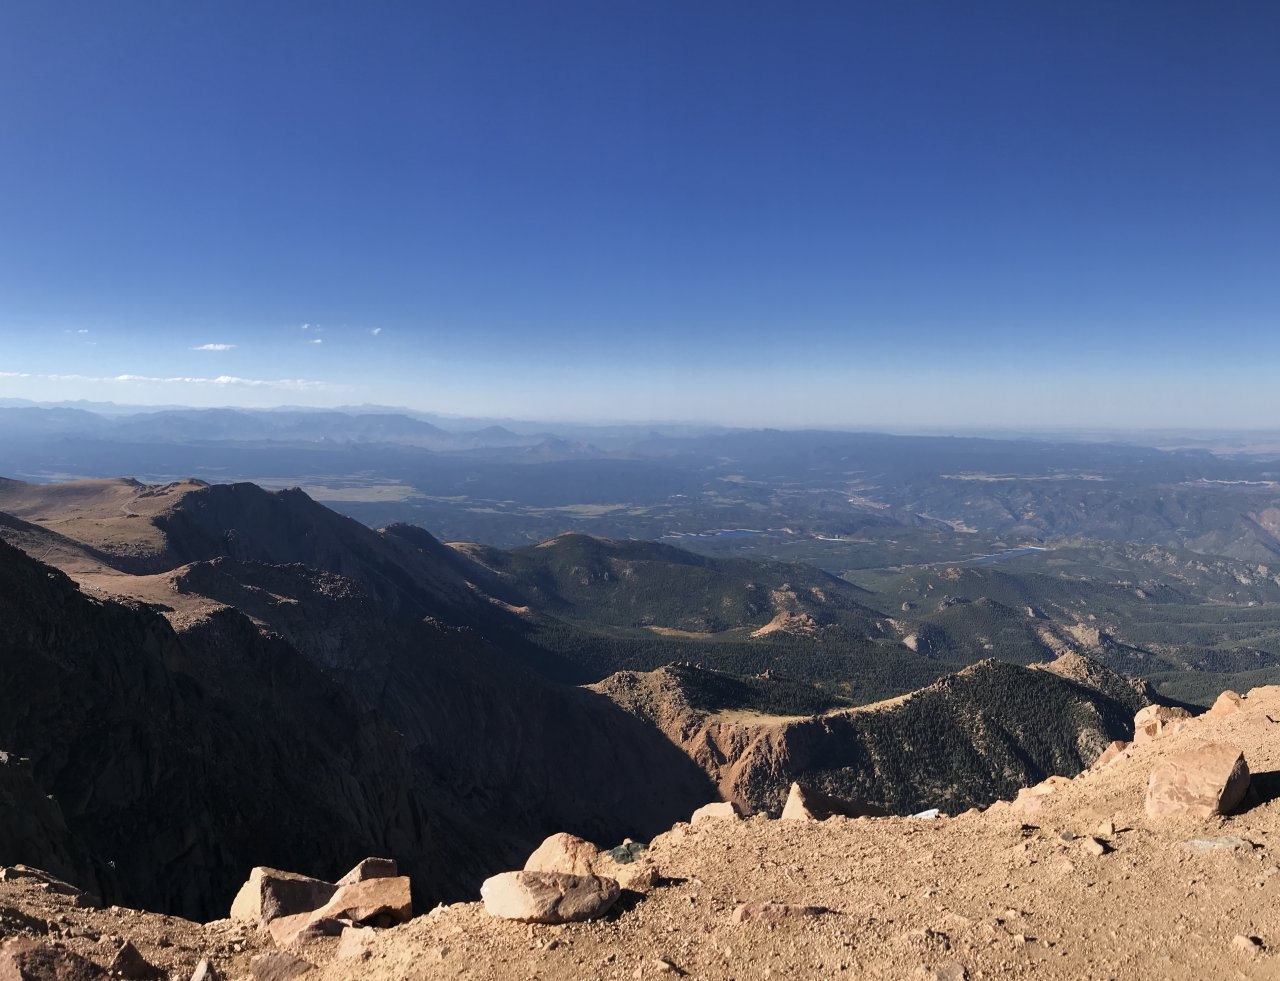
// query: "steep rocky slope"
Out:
[966,740]
[1089,885]
[177,758]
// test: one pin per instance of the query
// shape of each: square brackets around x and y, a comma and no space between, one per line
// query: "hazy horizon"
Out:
[868,216]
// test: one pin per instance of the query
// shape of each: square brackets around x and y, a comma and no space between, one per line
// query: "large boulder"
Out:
[807,804]
[548,897]
[1204,782]
[563,852]
[382,902]
[1228,703]
[271,893]
[628,864]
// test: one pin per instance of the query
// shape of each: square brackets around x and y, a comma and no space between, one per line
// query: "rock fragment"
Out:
[132,966]
[1113,751]
[1207,781]
[773,912]
[1230,843]
[1246,945]
[548,897]
[1155,721]
[205,971]
[718,809]
[1093,846]
[1031,799]
[1228,703]
[807,804]
[371,868]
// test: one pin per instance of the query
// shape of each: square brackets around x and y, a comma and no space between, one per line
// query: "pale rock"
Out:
[638,876]
[1163,713]
[1203,846]
[1106,829]
[1155,721]
[718,809]
[1093,846]
[205,971]
[1113,751]
[1031,799]
[548,897]
[807,804]
[1155,730]
[1246,945]
[1207,781]
[271,893]
[355,943]
[773,912]
[1228,703]
[278,966]
[301,928]
[563,852]
[363,901]
[371,868]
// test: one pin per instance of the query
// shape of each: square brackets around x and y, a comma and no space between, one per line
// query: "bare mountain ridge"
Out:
[964,741]
[299,727]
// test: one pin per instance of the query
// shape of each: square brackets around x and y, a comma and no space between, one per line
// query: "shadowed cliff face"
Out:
[180,760]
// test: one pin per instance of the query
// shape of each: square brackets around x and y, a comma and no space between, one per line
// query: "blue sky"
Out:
[854,214]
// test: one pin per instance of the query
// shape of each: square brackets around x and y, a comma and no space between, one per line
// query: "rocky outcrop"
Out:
[176,758]
[271,893]
[966,740]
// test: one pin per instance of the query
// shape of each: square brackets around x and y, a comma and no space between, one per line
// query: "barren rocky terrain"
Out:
[1080,882]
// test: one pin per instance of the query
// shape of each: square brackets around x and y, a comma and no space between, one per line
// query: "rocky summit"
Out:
[1091,883]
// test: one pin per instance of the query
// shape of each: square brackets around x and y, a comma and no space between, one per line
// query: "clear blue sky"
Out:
[850,213]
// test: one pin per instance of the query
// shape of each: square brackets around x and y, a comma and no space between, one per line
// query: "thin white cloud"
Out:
[375,331]
[214,347]
[317,341]
[83,330]
[222,381]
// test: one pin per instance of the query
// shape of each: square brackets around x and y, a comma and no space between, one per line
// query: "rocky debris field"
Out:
[1124,872]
